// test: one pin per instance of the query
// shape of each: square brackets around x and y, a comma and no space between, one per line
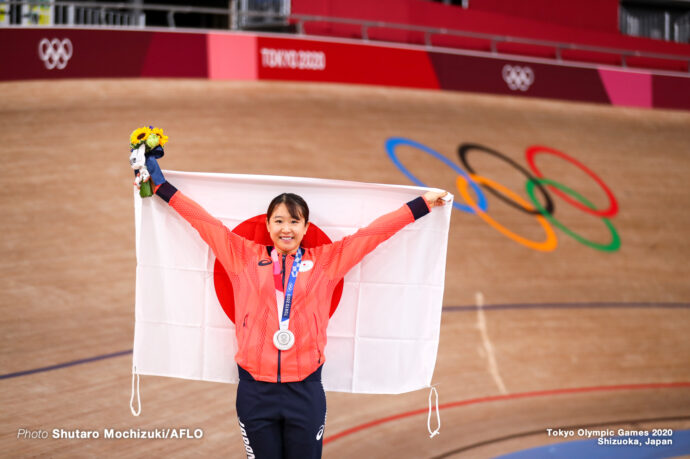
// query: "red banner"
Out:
[43,53]
[342,62]
[68,53]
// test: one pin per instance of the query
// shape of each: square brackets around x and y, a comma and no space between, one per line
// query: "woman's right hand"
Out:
[142,176]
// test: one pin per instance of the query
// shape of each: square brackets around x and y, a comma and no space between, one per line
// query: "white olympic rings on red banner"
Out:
[518,77]
[55,53]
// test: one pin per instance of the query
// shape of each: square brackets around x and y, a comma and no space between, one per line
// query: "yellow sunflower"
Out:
[138,136]
[163,138]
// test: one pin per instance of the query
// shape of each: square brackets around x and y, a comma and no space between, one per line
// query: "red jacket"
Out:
[256,314]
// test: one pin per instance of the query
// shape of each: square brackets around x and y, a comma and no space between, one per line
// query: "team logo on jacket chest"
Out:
[306,265]
[265,262]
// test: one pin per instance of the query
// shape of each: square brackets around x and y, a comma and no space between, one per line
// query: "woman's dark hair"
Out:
[297,206]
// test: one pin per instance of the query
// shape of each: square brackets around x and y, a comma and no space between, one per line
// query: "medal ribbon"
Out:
[284,300]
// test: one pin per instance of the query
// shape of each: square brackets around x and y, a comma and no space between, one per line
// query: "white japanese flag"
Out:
[383,338]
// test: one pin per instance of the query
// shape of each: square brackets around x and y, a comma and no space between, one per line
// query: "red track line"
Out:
[495,398]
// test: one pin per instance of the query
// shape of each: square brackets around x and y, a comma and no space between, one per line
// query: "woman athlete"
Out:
[282,304]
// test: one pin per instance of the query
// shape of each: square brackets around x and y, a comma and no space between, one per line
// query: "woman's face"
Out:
[286,231]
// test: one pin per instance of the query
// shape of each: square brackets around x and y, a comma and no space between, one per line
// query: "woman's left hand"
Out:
[435,198]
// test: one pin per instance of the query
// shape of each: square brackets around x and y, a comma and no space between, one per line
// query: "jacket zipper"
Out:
[279,318]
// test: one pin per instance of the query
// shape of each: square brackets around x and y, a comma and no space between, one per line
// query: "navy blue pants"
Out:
[282,420]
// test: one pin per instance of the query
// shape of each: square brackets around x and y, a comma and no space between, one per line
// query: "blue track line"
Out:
[489,307]
[66,364]
[592,305]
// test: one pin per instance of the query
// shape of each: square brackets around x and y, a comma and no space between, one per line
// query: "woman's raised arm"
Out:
[340,256]
[231,249]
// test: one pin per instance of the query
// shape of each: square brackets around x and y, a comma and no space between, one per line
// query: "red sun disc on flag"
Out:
[255,230]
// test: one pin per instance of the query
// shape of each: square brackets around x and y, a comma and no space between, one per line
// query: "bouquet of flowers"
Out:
[145,142]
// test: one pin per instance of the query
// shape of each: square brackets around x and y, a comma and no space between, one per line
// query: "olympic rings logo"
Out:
[55,53]
[518,77]
[544,213]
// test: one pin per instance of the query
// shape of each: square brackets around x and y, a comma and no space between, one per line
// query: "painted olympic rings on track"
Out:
[543,212]
[548,245]
[393,142]
[462,153]
[615,239]
[613,207]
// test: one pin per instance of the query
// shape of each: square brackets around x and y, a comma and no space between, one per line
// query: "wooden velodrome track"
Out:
[572,337]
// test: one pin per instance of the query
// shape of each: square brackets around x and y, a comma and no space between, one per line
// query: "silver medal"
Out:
[283,339]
